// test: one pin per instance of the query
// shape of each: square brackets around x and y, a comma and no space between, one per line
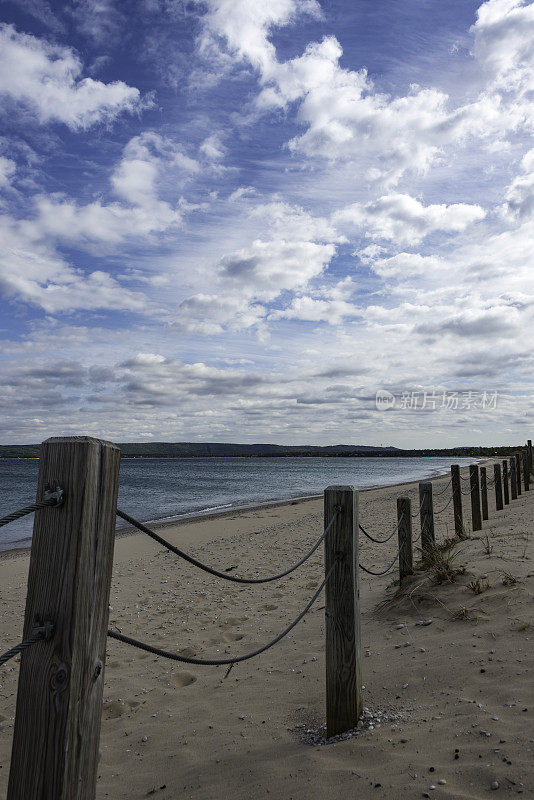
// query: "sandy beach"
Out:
[447,667]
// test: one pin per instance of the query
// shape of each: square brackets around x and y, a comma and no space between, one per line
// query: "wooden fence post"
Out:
[526,471]
[427,519]
[498,487]
[59,701]
[529,448]
[518,473]
[404,521]
[342,612]
[505,482]
[456,486]
[513,478]
[476,516]
[484,492]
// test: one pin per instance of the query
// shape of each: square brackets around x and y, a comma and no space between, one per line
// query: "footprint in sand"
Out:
[183,678]
[187,652]
[231,622]
[311,585]
[231,637]
[269,607]
[113,709]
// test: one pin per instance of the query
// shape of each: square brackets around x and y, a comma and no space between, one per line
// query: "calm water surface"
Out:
[157,488]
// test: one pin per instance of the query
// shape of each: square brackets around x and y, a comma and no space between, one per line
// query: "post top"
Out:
[81,440]
[347,488]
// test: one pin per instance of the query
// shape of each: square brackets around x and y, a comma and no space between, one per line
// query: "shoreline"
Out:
[446,666]
[190,518]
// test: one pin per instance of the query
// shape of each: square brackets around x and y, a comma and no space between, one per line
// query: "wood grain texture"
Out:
[427,518]
[484,492]
[59,701]
[505,487]
[476,515]
[404,521]
[342,612]
[456,487]
[513,478]
[499,505]
[529,448]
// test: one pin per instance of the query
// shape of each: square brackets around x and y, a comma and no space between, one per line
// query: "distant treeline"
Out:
[218,450]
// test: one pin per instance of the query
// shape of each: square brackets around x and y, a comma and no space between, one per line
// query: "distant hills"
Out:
[228,450]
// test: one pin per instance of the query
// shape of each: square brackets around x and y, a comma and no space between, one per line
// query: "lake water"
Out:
[156,488]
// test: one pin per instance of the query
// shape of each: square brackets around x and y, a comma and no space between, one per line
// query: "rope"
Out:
[419,509]
[41,632]
[52,498]
[383,572]
[219,661]
[216,572]
[465,493]
[445,506]
[381,541]
[437,494]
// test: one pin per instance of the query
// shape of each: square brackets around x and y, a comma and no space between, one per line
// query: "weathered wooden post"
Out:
[518,473]
[59,701]
[427,519]
[513,478]
[484,492]
[526,470]
[404,521]
[529,448]
[342,612]
[505,482]
[498,487]
[476,515]
[456,486]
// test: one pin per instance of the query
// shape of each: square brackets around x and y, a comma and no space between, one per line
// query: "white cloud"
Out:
[266,268]
[316,310]
[46,80]
[33,272]
[520,194]
[408,265]
[504,43]
[7,170]
[404,219]
[209,315]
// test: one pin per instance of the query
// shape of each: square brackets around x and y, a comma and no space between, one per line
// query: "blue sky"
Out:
[235,220]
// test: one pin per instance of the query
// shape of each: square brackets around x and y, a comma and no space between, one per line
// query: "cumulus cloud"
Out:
[520,194]
[504,43]
[46,80]
[267,267]
[408,265]
[401,218]
[33,272]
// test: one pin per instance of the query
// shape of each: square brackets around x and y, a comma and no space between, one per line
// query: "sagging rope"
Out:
[437,494]
[391,535]
[445,506]
[215,662]
[40,632]
[216,572]
[384,571]
[419,509]
[53,497]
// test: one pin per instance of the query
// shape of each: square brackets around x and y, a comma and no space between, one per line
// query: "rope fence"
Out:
[61,585]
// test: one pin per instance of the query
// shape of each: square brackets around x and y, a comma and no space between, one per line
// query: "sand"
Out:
[449,694]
